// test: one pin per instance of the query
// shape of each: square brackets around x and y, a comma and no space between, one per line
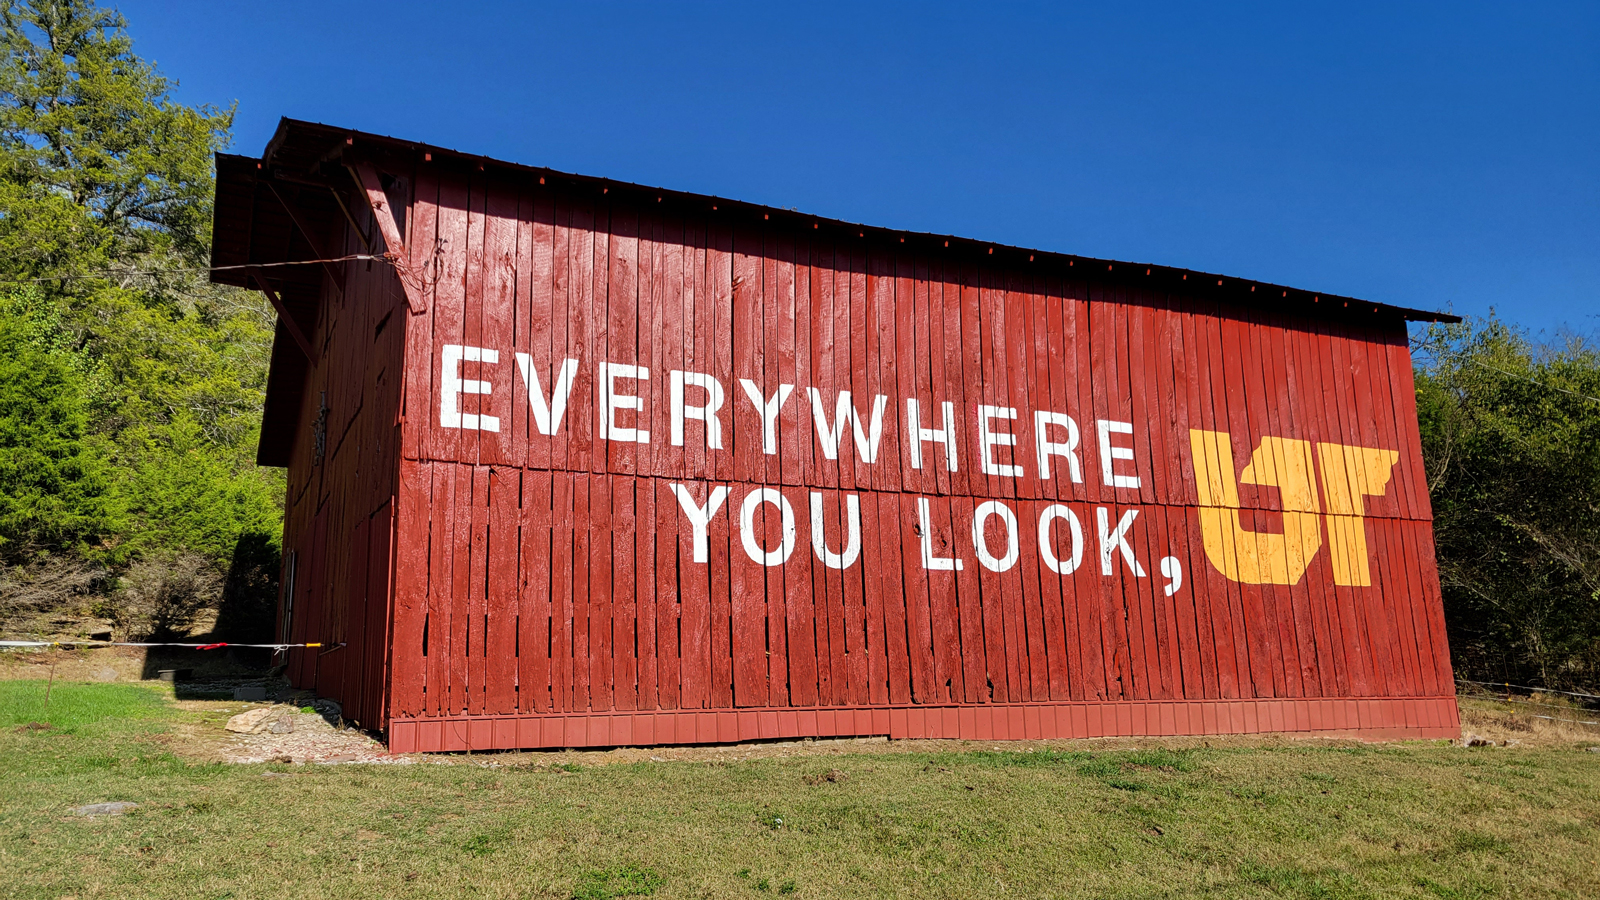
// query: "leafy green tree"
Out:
[200,362]
[1511,440]
[99,164]
[183,492]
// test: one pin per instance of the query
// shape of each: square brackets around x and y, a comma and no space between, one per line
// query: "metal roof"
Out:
[301,164]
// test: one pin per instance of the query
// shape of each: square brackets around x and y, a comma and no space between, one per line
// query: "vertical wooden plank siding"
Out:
[657,473]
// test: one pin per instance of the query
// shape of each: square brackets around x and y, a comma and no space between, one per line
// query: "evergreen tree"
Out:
[54,489]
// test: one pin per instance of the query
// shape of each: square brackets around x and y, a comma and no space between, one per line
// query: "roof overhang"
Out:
[288,206]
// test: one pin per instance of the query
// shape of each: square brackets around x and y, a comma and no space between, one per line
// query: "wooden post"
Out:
[367,180]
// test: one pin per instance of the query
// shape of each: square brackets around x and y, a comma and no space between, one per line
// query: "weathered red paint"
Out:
[647,472]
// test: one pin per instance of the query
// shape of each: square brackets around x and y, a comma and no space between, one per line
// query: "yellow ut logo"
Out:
[1255,557]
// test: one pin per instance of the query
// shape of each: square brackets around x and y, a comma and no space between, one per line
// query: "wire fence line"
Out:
[1507,686]
[219,645]
[178,270]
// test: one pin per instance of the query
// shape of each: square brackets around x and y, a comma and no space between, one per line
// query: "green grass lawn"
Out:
[1404,820]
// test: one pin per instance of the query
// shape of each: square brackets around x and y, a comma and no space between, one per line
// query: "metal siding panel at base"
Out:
[1380,719]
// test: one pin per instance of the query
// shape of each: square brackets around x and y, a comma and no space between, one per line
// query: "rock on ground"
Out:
[249,721]
[305,738]
[267,719]
[114,808]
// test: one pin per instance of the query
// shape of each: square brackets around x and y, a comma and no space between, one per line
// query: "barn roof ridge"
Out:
[293,135]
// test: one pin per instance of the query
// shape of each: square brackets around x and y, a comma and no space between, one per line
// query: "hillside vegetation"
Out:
[130,387]
[1511,441]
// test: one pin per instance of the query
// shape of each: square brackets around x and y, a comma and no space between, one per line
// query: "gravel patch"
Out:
[311,739]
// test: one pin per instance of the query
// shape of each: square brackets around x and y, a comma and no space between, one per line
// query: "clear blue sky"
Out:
[1430,155]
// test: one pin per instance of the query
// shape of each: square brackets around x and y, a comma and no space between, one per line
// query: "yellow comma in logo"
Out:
[1259,557]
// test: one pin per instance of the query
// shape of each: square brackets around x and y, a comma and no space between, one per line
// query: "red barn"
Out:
[573,462]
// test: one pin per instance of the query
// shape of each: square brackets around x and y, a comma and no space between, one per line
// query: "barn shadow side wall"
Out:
[331,420]
[339,510]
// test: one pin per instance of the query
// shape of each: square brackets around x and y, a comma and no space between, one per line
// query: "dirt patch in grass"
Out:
[202,737]
[101,665]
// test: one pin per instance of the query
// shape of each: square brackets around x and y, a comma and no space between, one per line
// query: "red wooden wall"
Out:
[547,590]
[338,526]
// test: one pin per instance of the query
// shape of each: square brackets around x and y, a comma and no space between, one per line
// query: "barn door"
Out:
[341,676]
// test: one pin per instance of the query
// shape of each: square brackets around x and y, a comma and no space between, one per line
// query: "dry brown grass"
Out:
[1540,720]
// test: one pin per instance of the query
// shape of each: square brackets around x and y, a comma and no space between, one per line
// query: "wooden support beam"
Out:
[367,180]
[299,221]
[359,231]
[283,315]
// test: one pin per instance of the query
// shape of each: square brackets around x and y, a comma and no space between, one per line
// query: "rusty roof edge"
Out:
[1203,279]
